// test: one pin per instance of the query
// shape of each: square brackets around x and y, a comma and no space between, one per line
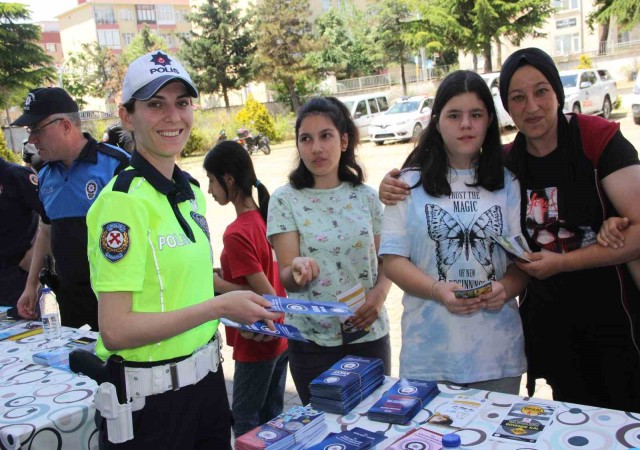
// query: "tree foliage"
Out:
[393,32]
[5,152]
[283,39]
[95,70]
[144,42]
[346,46]
[626,12]
[221,51]
[473,25]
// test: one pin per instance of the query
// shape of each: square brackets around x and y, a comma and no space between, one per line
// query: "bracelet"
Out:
[432,286]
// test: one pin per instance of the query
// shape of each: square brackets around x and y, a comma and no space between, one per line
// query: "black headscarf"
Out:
[536,58]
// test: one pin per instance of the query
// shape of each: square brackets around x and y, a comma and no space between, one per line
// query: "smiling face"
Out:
[533,105]
[463,125]
[162,124]
[320,146]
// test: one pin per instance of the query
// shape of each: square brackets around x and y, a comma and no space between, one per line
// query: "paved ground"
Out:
[272,171]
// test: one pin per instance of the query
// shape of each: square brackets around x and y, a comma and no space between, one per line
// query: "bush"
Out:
[284,127]
[255,116]
[197,144]
[585,62]
[6,153]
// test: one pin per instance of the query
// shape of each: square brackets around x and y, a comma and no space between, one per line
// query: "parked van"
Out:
[364,108]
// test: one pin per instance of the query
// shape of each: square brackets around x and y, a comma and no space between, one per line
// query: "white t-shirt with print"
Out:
[449,238]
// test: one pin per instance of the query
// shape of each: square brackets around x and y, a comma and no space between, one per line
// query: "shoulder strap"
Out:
[124,180]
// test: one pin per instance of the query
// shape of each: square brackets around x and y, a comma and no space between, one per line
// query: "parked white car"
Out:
[589,91]
[404,121]
[492,80]
[364,108]
[635,101]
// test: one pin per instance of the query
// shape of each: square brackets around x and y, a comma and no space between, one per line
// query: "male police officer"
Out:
[19,209]
[76,169]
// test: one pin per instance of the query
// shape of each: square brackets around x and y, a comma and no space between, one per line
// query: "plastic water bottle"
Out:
[451,440]
[50,315]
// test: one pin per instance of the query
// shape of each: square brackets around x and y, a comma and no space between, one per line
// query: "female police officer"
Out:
[151,269]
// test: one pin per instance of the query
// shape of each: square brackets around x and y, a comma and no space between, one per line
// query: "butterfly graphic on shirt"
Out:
[453,238]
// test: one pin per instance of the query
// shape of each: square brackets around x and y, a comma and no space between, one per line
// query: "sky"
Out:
[46,9]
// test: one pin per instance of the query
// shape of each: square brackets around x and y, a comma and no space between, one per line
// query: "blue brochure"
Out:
[355,439]
[294,306]
[282,330]
[59,356]
[403,401]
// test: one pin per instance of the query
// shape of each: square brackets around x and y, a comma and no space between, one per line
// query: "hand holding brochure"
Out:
[473,292]
[282,330]
[295,306]
[516,245]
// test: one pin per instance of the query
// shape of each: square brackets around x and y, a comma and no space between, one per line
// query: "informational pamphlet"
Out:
[457,412]
[355,439]
[296,306]
[59,356]
[354,298]
[418,438]
[516,245]
[473,292]
[281,330]
[525,422]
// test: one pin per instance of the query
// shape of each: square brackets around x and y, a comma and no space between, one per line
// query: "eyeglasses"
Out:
[36,131]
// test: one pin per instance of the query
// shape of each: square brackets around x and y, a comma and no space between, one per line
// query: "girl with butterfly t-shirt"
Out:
[440,240]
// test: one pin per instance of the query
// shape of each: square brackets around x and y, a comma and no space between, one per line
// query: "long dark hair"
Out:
[430,156]
[229,157]
[348,168]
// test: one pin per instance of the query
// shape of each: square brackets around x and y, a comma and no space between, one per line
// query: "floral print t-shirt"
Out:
[337,228]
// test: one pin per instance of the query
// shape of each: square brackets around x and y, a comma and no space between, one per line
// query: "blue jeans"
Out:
[258,392]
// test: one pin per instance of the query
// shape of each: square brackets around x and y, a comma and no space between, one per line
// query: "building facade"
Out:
[114,23]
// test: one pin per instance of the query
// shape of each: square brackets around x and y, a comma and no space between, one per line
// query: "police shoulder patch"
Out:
[114,241]
[33,178]
[202,223]
[91,189]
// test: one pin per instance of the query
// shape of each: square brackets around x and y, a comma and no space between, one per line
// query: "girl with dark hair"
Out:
[248,261]
[325,226]
[440,241]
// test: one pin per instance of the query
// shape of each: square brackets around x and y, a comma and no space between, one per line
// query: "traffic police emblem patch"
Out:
[202,223]
[114,241]
[91,189]
[33,178]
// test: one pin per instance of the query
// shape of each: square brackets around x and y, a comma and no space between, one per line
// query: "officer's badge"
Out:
[91,189]
[202,223]
[114,241]
[33,178]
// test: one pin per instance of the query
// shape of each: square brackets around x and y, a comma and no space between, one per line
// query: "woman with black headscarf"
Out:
[581,306]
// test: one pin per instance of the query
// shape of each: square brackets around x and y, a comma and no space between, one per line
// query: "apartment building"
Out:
[50,40]
[114,23]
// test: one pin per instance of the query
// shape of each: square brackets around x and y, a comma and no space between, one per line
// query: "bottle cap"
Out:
[450,440]
[45,288]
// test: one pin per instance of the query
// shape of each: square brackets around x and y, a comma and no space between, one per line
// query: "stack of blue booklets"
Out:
[403,401]
[348,382]
[291,430]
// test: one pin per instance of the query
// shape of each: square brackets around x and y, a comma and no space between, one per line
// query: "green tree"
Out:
[626,12]
[283,40]
[23,63]
[473,25]
[392,33]
[5,152]
[347,48]
[144,42]
[221,51]
[95,70]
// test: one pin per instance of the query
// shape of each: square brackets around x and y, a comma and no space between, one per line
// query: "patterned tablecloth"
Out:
[43,408]
[576,427]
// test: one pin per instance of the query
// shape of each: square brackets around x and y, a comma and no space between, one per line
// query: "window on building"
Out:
[146,13]
[165,14]
[104,15]
[180,15]
[126,14]
[127,38]
[561,5]
[50,46]
[567,43]
[109,38]
[326,4]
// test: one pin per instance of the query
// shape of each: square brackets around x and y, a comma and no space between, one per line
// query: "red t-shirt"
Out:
[246,251]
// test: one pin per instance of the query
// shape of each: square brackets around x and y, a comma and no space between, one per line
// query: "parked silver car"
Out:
[404,121]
